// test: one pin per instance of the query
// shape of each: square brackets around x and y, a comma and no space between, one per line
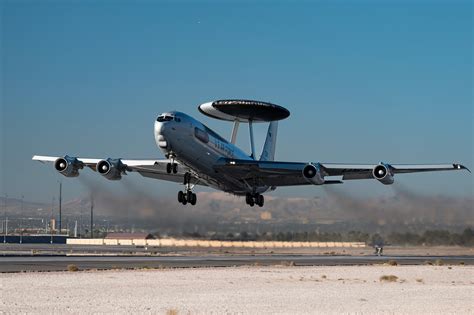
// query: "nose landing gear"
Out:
[187,196]
[255,199]
[172,167]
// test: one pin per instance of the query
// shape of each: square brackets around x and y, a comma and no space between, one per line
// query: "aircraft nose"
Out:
[160,128]
[160,135]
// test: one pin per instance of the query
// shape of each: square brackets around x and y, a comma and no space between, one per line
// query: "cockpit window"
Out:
[162,118]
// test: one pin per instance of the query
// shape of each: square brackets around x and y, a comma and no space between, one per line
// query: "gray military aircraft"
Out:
[196,155]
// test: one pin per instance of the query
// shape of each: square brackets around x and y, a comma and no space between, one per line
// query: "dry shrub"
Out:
[172,311]
[419,280]
[324,277]
[388,278]
[72,268]
[392,263]
[438,262]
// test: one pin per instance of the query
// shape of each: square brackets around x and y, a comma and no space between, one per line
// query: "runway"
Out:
[60,263]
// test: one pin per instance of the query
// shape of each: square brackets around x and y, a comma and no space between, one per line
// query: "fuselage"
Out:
[190,142]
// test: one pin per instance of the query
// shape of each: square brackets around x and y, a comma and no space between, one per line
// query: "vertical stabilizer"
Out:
[268,153]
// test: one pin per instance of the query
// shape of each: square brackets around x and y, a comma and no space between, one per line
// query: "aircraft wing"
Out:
[274,173]
[148,168]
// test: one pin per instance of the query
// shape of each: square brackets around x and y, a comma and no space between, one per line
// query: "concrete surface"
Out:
[60,263]
[64,249]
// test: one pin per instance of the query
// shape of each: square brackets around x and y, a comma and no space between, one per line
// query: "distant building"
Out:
[129,236]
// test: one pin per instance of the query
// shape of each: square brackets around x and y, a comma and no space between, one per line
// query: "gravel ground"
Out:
[244,290]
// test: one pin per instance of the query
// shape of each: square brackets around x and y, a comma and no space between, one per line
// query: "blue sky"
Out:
[365,82]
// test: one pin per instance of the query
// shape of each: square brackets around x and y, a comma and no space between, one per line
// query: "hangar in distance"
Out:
[196,155]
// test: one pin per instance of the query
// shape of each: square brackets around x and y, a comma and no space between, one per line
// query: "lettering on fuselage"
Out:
[223,148]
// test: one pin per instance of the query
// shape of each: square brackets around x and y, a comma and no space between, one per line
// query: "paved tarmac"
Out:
[63,249]
[60,263]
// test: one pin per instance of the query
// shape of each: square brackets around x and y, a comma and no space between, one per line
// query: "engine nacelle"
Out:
[383,174]
[112,169]
[312,173]
[68,166]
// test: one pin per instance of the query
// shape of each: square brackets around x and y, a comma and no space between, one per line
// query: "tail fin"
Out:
[268,153]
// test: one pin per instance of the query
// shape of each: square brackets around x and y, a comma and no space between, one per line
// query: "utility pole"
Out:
[60,205]
[6,219]
[21,227]
[92,216]
[51,220]
[81,224]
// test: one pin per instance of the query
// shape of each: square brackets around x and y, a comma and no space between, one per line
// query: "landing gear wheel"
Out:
[189,195]
[175,168]
[259,200]
[193,199]
[185,202]
[252,202]
[180,196]
[248,198]
[168,168]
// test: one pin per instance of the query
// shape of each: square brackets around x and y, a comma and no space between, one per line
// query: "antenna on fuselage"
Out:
[246,111]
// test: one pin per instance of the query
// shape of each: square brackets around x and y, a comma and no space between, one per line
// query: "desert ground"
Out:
[378,289]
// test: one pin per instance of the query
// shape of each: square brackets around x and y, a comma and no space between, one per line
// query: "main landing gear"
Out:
[187,196]
[255,199]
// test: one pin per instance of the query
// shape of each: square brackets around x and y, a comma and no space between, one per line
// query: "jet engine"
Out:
[112,169]
[383,174]
[68,166]
[312,173]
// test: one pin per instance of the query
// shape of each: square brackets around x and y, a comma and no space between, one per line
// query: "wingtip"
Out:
[461,167]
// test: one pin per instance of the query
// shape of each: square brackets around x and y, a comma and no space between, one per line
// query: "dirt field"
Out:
[248,290]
